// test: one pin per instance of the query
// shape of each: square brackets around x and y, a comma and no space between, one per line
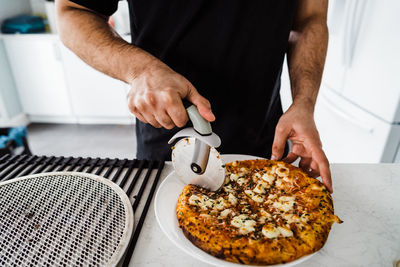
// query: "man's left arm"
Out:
[308,43]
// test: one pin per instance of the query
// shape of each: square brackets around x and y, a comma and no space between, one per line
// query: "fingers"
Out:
[164,120]
[278,146]
[309,166]
[323,165]
[202,104]
[178,113]
[159,101]
[290,158]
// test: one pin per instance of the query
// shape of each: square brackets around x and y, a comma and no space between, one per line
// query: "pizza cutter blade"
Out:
[213,176]
[195,159]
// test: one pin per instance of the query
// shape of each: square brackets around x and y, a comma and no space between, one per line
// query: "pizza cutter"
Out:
[195,159]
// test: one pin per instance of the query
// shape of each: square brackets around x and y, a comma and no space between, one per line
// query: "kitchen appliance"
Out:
[138,178]
[195,159]
[358,112]
[358,109]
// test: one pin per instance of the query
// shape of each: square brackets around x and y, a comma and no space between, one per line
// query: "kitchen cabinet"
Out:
[350,134]
[38,72]
[56,86]
[95,97]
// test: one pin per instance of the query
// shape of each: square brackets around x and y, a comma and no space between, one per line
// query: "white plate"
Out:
[165,209]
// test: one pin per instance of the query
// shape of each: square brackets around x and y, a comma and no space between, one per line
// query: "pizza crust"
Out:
[268,212]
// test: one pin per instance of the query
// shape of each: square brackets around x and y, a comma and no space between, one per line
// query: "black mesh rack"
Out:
[138,178]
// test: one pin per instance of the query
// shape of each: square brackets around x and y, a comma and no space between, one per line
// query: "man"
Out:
[227,53]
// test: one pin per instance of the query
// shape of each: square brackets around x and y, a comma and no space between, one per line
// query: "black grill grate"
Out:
[138,178]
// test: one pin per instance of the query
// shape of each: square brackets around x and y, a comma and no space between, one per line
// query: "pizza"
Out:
[267,212]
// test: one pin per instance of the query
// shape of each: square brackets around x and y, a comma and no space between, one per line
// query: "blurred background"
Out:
[70,109]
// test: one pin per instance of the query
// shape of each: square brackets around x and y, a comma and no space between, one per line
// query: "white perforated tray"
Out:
[63,218]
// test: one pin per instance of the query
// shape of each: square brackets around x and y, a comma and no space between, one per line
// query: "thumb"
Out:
[278,146]
[202,104]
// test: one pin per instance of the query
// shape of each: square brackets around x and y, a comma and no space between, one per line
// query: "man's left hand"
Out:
[297,125]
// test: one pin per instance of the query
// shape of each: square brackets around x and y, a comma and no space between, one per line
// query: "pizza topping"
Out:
[316,187]
[270,231]
[261,187]
[234,177]
[194,200]
[282,171]
[228,189]
[264,215]
[204,202]
[232,199]
[225,212]
[244,223]
[244,171]
[268,177]
[241,181]
[285,203]
[279,183]
[205,216]
[254,196]
[291,218]
[220,203]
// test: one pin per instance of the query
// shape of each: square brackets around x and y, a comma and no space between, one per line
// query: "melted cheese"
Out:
[282,171]
[241,181]
[270,231]
[232,199]
[291,218]
[254,196]
[203,202]
[279,183]
[316,187]
[244,224]
[228,189]
[268,177]
[261,187]
[234,177]
[225,213]
[220,203]
[263,216]
[284,203]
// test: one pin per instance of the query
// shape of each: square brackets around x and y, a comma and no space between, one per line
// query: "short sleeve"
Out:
[104,7]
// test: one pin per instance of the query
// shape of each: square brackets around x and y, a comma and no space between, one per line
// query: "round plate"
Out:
[165,210]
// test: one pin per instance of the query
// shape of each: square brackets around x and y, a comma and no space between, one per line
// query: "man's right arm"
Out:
[156,90]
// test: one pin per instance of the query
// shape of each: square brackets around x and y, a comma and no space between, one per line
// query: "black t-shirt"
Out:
[232,51]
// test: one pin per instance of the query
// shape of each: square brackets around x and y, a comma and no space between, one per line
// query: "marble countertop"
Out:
[366,198]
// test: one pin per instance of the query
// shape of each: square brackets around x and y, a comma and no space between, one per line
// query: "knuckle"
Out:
[150,98]
[280,129]
[140,105]
[181,120]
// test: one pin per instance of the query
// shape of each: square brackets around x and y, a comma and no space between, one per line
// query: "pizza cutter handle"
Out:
[201,125]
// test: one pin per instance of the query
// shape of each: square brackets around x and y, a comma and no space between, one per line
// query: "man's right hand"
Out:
[156,97]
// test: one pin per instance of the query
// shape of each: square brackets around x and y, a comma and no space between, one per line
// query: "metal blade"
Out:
[214,175]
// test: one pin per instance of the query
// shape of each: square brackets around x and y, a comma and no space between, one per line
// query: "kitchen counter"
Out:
[366,198]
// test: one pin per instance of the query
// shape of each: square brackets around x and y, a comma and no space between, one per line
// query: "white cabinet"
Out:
[95,97]
[351,135]
[39,76]
[55,86]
